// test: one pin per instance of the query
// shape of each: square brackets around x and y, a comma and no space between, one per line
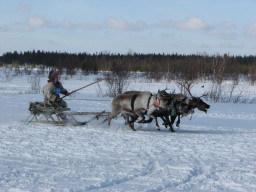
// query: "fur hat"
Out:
[52,74]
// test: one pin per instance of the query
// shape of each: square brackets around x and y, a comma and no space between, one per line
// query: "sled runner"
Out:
[60,116]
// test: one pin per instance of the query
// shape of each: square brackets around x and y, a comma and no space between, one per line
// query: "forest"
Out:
[157,66]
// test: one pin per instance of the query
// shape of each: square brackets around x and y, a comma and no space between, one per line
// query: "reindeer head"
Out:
[198,103]
[183,107]
[195,102]
[162,94]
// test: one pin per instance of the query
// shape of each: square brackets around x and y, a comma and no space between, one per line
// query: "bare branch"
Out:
[171,93]
[186,85]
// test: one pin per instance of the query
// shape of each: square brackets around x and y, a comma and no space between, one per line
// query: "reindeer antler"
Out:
[172,92]
[186,85]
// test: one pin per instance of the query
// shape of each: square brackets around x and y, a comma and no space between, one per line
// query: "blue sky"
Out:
[122,26]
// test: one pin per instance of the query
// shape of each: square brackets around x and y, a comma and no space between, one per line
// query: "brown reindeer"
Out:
[136,104]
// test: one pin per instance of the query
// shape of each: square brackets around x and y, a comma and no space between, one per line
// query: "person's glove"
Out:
[66,93]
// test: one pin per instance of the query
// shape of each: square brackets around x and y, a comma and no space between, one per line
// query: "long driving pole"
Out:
[86,86]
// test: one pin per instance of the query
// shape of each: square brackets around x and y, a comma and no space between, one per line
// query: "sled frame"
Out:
[48,113]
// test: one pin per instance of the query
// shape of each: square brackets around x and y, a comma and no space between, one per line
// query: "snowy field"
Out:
[212,152]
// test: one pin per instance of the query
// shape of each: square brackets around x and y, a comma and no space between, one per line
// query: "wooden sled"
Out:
[39,109]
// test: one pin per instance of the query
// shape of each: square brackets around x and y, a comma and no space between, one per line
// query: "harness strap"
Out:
[149,100]
[133,101]
[156,104]
[148,103]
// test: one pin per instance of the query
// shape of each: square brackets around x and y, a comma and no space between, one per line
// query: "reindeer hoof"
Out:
[172,130]
[139,121]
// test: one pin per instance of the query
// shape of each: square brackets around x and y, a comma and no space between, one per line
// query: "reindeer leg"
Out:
[178,122]
[133,118]
[129,122]
[165,122]
[139,113]
[111,116]
[156,125]
[148,121]
[173,119]
[169,123]
[124,118]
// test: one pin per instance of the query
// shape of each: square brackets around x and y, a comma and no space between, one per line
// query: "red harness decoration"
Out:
[156,104]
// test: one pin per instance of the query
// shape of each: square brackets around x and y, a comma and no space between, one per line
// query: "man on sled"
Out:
[51,93]
[54,104]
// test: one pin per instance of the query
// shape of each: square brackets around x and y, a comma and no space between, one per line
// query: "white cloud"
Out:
[122,25]
[214,31]
[228,25]
[117,24]
[69,25]
[65,24]
[164,24]
[224,30]
[250,29]
[36,22]
[87,26]
[191,23]
[16,27]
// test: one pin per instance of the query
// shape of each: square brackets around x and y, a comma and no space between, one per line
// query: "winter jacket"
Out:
[51,91]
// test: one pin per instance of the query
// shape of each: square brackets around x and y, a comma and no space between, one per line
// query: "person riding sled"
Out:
[52,90]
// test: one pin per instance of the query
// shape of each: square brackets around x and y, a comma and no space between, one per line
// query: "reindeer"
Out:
[136,104]
[163,112]
[194,102]
[174,107]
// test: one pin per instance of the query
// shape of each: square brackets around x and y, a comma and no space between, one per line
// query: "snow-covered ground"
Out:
[212,152]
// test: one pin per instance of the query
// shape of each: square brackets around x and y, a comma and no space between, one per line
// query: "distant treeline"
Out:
[188,66]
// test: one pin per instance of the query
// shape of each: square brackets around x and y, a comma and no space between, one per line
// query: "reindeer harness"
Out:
[134,98]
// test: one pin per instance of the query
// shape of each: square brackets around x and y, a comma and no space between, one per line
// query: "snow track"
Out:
[42,158]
